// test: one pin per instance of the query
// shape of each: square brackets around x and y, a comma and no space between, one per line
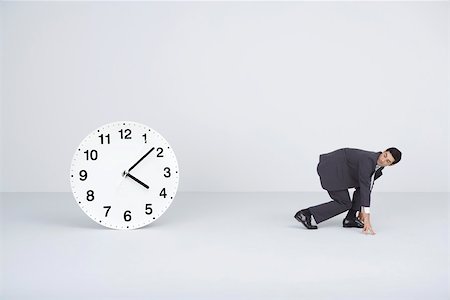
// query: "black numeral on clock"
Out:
[145,137]
[91,154]
[83,175]
[160,152]
[163,193]
[90,195]
[106,137]
[167,170]
[107,210]
[125,134]
[127,216]
[148,209]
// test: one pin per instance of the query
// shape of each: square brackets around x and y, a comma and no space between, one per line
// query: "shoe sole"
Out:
[351,226]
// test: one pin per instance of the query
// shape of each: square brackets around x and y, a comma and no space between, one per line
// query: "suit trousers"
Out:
[341,203]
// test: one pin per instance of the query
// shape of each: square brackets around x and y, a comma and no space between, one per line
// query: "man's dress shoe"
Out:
[352,223]
[305,219]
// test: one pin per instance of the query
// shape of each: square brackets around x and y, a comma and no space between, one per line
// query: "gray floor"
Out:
[225,246]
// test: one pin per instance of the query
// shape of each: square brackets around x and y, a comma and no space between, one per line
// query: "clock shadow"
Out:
[159,223]
[61,211]
[73,221]
[82,222]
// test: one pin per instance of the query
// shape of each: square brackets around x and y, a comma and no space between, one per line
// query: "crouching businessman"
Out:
[343,169]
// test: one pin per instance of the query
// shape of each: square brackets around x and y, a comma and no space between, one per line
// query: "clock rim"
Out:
[72,176]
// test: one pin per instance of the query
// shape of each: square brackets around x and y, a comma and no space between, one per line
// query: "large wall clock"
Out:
[124,175]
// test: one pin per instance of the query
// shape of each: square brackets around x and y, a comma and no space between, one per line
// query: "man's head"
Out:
[389,157]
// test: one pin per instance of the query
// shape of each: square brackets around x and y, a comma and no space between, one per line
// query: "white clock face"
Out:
[124,175]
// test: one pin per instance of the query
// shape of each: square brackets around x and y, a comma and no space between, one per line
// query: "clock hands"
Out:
[145,155]
[137,180]
[127,173]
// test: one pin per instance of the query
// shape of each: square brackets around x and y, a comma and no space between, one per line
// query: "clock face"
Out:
[124,175]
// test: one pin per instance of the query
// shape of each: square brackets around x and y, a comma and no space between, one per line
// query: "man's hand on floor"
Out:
[365,218]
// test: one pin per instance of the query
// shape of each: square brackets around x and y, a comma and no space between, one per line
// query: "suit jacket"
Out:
[349,168]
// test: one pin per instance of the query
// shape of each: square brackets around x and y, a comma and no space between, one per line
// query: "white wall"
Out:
[248,94]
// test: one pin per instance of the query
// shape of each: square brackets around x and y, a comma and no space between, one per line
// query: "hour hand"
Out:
[145,155]
[126,174]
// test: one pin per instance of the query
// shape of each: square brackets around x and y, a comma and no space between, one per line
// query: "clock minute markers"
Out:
[115,150]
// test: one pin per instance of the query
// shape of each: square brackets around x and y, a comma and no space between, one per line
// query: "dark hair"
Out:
[396,154]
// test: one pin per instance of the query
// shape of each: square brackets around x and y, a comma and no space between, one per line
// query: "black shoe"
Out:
[352,223]
[304,217]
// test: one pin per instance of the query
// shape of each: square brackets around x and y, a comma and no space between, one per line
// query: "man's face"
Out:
[385,159]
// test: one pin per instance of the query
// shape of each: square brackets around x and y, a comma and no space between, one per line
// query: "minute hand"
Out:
[145,155]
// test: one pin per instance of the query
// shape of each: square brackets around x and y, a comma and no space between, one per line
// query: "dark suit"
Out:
[343,169]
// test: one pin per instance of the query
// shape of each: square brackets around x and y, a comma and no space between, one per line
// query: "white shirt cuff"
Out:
[365,209]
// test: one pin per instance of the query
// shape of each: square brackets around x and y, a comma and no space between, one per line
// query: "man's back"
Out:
[346,168]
